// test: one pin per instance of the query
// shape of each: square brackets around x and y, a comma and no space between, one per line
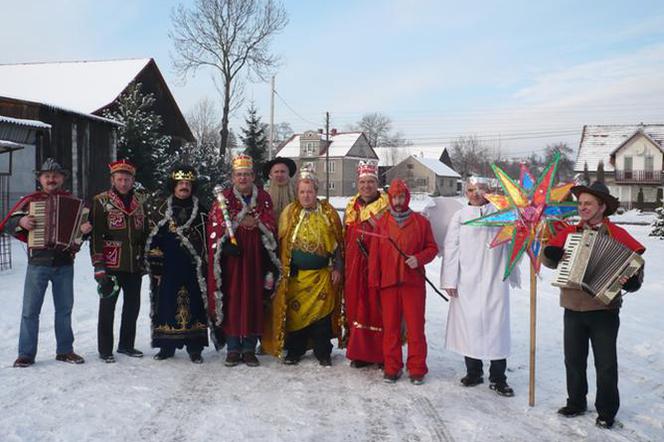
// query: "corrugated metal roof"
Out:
[34,124]
[599,141]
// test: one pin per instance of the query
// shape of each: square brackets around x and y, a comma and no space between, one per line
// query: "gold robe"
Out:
[309,295]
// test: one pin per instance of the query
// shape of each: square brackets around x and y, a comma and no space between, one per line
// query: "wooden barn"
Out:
[71,97]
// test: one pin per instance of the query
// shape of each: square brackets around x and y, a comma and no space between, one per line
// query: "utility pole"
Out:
[327,155]
[270,147]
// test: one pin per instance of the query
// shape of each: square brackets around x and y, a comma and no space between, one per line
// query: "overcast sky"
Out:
[520,74]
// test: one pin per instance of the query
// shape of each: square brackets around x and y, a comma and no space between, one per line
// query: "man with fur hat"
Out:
[306,308]
[50,263]
[242,262]
[363,315]
[118,240]
[588,319]
[401,282]
[279,172]
[176,261]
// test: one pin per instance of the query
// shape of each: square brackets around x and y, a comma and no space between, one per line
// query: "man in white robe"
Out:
[478,321]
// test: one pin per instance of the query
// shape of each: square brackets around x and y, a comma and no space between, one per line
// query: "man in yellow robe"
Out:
[305,311]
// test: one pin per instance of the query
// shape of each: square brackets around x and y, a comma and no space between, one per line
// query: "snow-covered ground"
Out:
[144,399]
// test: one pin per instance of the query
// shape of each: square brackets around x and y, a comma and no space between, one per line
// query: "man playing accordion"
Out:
[588,319]
[46,262]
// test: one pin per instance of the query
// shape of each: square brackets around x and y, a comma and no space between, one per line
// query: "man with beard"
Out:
[305,312]
[280,171]
[175,259]
[478,320]
[364,320]
[45,264]
[401,282]
[118,240]
[243,263]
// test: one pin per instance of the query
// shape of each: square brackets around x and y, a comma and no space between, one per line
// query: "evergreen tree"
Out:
[600,171]
[254,140]
[140,139]
[586,174]
[658,224]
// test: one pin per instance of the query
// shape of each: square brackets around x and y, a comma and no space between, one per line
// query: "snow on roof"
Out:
[439,168]
[599,141]
[80,86]
[391,156]
[34,124]
[341,144]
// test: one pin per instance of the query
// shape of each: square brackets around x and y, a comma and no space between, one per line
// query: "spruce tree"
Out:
[586,175]
[600,171]
[254,140]
[658,224]
[140,139]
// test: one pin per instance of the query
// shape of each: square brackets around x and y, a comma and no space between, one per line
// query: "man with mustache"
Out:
[45,264]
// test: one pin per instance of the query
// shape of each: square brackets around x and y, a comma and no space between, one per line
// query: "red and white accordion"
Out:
[594,263]
[58,222]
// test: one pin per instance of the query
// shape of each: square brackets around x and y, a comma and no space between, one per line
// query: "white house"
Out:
[633,159]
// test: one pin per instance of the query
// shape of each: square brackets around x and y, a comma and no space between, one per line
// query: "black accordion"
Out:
[594,262]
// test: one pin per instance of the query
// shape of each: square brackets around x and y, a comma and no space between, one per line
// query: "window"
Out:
[649,166]
[628,167]
[332,168]
[331,187]
[310,149]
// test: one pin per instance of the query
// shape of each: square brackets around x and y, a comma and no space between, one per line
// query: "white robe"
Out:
[478,321]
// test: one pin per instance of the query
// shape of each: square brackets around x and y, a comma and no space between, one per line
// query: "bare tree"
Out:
[377,127]
[203,119]
[565,164]
[470,157]
[232,37]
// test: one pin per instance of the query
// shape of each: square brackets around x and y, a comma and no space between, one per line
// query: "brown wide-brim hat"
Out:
[600,191]
[292,168]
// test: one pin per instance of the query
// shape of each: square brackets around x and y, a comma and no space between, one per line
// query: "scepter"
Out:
[219,193]
[403,254]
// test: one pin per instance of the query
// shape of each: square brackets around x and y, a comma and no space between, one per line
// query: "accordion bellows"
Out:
[594,263]
[58,222]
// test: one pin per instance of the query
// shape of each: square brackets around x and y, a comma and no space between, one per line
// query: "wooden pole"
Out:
[533,334]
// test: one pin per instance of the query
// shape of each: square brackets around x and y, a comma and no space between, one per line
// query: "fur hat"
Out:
[50,165]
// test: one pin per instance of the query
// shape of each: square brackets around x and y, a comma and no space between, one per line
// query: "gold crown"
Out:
[243,161]
[308,172]
[183,175]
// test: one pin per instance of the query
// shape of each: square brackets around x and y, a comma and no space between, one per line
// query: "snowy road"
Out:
[176,400]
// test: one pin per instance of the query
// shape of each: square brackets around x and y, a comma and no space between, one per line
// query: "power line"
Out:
[283,100]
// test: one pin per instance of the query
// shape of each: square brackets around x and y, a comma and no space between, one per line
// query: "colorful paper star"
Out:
[527,212]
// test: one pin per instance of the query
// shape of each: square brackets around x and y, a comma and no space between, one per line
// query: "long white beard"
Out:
[281,196]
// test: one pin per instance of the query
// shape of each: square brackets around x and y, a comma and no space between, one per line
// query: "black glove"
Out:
[554,254]
[230,249]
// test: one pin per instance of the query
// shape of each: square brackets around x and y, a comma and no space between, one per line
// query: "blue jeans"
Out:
[36,282]
[244,344]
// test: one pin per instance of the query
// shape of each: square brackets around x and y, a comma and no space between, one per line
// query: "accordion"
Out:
[594,262]
[58,222]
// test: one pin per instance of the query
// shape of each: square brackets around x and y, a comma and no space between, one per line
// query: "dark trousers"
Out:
[320,333]
[600,328]
[169,350]
[496,369]
[130,285]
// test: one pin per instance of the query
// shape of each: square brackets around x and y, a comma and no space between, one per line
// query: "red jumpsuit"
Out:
[402,290]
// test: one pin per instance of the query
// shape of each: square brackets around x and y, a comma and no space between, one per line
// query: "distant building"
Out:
[632,156]
[393,155]
[346,149]
[71,97]
[425,175]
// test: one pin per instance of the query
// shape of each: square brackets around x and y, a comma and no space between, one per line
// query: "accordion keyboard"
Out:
[37,236]
[564,269]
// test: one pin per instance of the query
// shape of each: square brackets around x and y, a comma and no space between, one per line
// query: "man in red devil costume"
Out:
[403,246]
